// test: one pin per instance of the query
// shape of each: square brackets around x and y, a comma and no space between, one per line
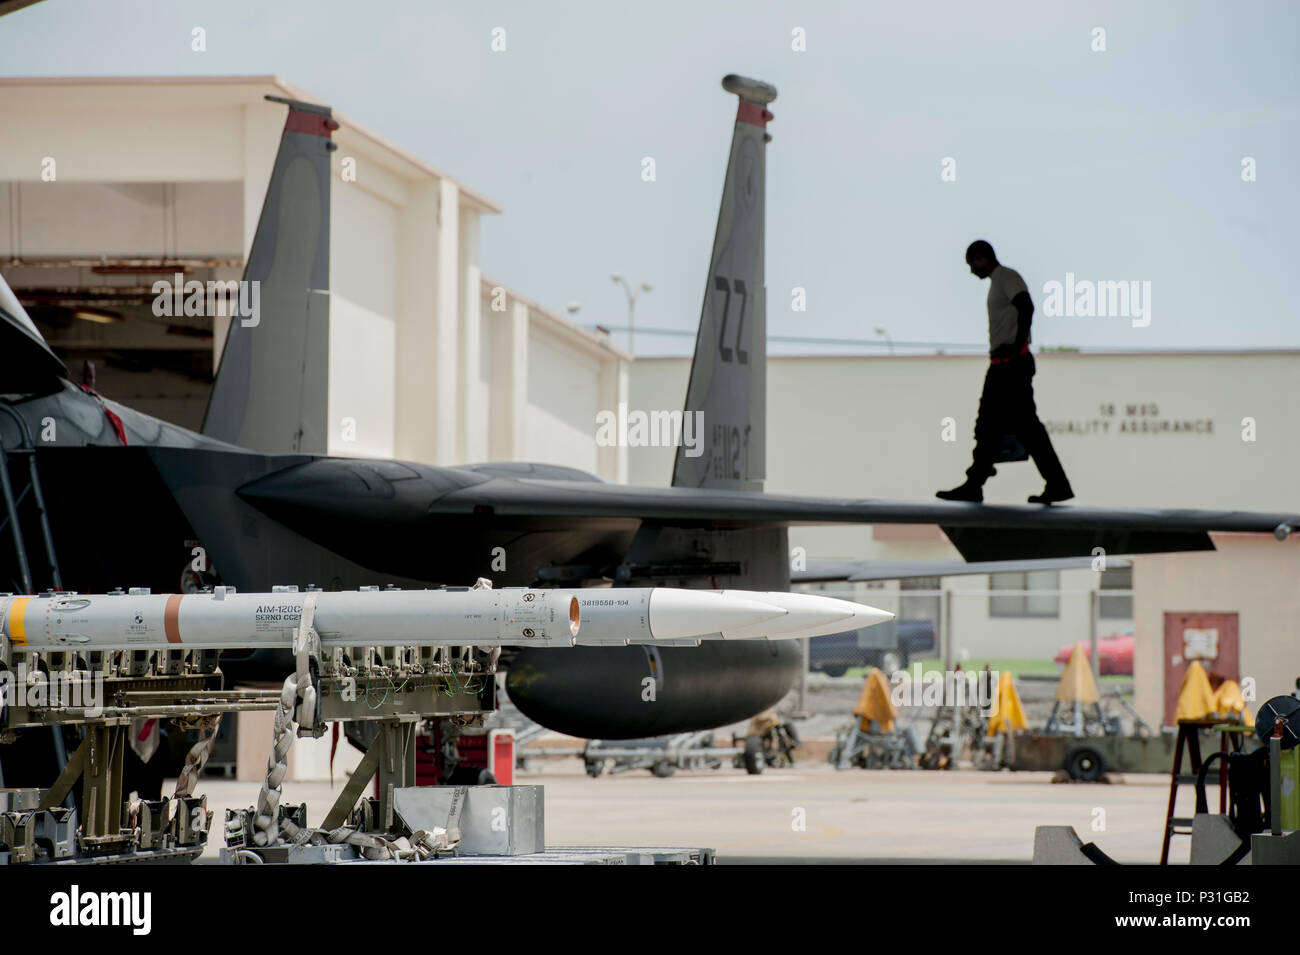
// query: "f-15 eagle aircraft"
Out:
[108,499]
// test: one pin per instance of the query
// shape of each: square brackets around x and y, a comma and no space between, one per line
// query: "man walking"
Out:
[1007,402]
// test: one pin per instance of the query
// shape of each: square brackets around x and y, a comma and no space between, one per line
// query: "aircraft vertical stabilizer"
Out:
[272,387]
[728,383]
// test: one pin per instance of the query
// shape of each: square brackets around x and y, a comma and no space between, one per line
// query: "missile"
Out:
[447,617]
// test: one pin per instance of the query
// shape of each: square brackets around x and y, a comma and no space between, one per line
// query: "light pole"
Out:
[631,294]
[885,335]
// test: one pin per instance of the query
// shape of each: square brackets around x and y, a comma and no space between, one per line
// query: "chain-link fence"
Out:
[1026,627]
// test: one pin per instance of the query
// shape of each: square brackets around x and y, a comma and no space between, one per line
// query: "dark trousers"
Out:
[1007,407]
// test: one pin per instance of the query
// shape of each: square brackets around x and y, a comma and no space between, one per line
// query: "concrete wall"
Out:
[363,319]
[563,398]
[546,380]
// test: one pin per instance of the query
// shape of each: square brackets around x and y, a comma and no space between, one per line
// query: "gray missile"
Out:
[479,617]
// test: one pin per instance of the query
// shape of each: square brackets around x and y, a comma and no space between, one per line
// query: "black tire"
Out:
[830,670]
[1085,763]
[754,758]
[595,767]
[663,769]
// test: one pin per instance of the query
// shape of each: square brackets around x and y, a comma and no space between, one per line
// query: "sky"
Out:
[1115,164]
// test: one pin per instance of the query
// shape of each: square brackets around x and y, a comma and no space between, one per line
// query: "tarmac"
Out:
[812,813]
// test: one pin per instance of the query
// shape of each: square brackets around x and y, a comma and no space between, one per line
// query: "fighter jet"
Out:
[99,496]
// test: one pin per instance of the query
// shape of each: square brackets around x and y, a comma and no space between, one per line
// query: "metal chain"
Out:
[420,846]
[197,757]
[277,765]
[297,699]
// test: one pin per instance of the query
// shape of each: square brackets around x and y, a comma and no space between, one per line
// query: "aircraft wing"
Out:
[980,532]
[417,499]
[823,570]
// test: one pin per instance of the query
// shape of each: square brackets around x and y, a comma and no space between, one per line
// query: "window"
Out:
[1023,600]
[922,606]
[1120,606]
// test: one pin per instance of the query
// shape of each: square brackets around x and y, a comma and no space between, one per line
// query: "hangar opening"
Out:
[88,259]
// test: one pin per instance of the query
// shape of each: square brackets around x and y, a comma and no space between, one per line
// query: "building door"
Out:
[1208,637]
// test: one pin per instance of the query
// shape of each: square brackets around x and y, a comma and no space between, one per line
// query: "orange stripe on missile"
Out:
[18,621]
[172,619]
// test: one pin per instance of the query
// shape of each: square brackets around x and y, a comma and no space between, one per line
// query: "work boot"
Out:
[963,492]
[1053,494]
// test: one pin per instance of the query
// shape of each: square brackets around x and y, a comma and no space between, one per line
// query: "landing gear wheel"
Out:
[1085,764]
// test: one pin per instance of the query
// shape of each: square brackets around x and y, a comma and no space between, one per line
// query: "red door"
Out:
[1208,637]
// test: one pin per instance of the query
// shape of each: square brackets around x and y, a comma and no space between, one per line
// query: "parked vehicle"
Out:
[890,646]
[1114,653]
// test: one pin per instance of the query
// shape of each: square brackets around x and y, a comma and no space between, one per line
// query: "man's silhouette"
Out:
[1007,403]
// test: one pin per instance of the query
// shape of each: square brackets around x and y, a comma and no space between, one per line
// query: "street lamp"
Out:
[631,294]
[885,335]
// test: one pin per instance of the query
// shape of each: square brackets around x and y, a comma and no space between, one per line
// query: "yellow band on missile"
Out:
[18,621]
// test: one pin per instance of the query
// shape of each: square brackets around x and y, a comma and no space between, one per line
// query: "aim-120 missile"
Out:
[446,617]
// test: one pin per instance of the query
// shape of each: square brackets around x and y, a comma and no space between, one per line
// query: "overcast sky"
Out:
[1117,165]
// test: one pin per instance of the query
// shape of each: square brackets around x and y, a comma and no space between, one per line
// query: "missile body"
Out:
[452,617]
[222,619]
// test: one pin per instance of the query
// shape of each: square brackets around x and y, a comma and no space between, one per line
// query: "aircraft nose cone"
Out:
[682,614]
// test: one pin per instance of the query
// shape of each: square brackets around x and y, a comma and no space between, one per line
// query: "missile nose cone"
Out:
[804,613]
[681,614]
[865,616]
[814,615]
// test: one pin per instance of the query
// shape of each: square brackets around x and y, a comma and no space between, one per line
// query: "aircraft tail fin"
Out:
[270,392]
[726,399]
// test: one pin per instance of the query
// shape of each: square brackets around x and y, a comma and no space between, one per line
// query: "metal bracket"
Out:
[307,656]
